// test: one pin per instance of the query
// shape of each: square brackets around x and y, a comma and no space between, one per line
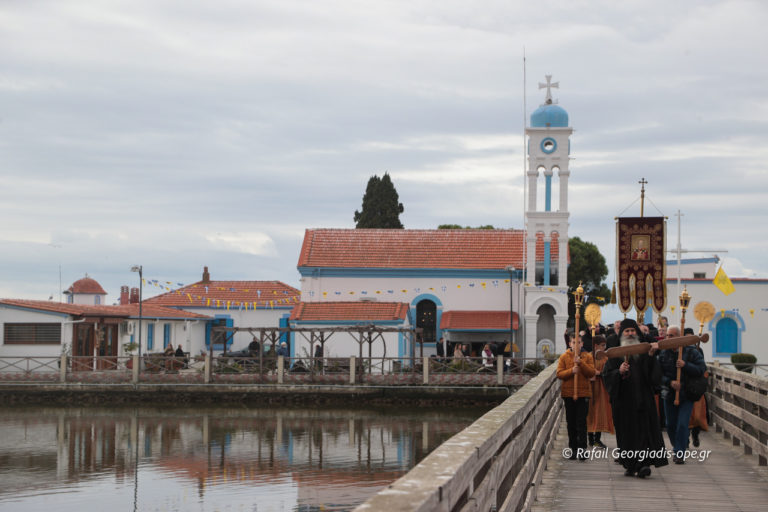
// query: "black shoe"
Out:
[629,472]
[643,472]
[599,444]
[695,436]
[572,457]
[678,460]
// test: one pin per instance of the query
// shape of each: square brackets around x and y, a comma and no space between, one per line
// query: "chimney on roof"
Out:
[134,296]
[124,296]
[206,276]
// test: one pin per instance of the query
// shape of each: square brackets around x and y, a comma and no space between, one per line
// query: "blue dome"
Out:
[552,116]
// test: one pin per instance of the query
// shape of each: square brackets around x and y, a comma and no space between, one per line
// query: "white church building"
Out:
[465,285]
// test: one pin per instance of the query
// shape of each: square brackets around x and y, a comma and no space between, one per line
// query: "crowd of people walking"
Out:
[635,397]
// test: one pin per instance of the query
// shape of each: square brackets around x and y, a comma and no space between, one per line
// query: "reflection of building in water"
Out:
[325,454]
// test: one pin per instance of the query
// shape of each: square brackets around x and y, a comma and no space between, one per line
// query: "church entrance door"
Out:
[82,347]
[426,318]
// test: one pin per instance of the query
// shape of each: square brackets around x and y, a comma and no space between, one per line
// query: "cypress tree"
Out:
[381,209]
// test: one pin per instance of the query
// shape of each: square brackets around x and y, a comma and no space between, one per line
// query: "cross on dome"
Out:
[548,86]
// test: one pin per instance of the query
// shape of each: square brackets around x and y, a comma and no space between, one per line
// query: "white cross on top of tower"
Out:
[549,86]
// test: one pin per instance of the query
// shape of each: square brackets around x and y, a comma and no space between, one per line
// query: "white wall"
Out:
[89,299]
[494,296]
[687,269]
[749,295]
[16,315]
[250,318]
[190,333]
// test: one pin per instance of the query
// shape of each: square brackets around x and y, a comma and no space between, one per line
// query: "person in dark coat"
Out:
[612,335]
[678,416]
[630,385]
[440,347]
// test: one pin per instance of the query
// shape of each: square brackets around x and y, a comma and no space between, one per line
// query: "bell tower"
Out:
[546,281]
[548,157]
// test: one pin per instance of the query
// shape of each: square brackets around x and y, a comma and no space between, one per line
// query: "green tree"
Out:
[381,208]
[458,226]
[587,267]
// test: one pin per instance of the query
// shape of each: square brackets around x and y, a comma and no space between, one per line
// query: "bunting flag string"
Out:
[283,298]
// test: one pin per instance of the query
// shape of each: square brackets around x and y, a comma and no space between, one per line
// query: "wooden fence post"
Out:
[352,368]
[280,367]
[499,370]
[63,368]
[425,367]
[207,370]
[135,369]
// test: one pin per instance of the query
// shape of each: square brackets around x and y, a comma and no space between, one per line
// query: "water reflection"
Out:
[251,459]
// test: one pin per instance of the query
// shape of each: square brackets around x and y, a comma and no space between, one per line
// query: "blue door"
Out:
[727,336]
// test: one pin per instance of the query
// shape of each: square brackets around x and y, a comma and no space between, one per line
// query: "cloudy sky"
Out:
[178,134]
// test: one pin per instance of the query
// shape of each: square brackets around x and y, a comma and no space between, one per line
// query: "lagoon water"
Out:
[212,459]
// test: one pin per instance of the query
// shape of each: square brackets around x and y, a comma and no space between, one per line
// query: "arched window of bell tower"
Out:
[555,189]
[541,192]
[554,254]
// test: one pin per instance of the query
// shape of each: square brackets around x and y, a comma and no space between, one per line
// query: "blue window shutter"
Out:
[220,321]
[150,336]
[727,336]
[284,336]
[230,335]
[166,335]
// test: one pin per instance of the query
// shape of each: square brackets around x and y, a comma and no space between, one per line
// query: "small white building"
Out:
[741,318]
[47,329]
[232,304]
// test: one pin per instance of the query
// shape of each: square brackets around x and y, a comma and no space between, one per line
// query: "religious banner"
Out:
[640,255]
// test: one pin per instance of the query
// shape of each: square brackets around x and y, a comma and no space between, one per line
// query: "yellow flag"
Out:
[721,281]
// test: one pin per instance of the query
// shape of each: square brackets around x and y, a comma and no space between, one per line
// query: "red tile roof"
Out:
[413,248]
[127,311]
[476,320]
[235,292]
[350,311]
[86,285]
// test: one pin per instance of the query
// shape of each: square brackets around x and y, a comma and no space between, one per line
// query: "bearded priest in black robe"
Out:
[631,386]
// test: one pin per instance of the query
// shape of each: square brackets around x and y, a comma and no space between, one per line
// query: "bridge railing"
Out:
[494,464]
[738,404]
[760,370]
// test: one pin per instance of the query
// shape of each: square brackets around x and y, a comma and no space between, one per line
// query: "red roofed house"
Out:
[233,304]
[467,285]
[85,327]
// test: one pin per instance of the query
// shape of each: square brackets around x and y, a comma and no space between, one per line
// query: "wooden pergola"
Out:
[362,334]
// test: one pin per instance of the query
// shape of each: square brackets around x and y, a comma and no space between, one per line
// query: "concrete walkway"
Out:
[726,481]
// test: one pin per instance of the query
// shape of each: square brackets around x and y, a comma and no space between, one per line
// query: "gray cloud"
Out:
[183,134]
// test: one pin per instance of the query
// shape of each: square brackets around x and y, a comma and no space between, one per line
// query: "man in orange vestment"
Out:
[599,418]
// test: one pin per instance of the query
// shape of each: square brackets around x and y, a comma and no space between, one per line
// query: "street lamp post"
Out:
[139,269]
[511,269]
